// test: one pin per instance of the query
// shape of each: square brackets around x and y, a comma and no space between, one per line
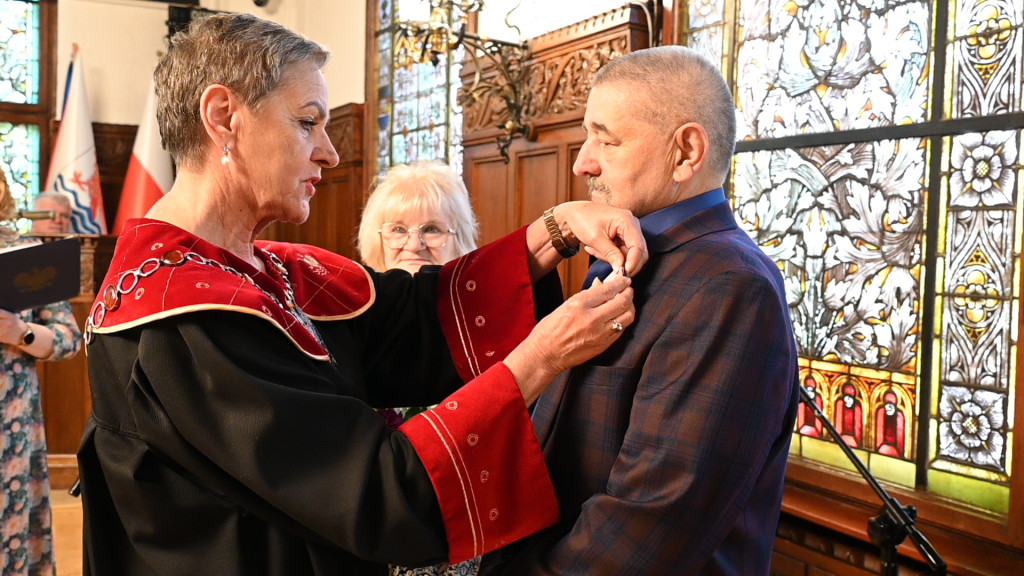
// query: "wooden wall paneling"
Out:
[347,181]
[802,547]
[535,188]
[113,153]
[842,503]
[490,192]
[537,191]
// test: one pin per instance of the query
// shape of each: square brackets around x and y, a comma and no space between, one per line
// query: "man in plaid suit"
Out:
[668,451]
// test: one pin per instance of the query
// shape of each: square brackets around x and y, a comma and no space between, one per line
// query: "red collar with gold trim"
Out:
[159,270]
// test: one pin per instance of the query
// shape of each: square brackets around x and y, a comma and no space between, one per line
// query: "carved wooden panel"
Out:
[558,73]
[560,85]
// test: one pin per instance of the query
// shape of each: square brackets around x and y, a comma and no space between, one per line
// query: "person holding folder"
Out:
[47,332]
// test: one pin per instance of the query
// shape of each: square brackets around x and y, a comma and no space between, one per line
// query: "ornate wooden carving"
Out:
[558,73]
[561,84]
[572,36]
[346,135]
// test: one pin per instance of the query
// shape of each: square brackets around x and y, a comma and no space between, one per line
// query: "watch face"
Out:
[28,338]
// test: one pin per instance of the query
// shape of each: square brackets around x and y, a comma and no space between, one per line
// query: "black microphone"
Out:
[36,214]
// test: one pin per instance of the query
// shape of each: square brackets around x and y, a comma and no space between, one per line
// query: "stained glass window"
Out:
[985,49]
[19,89]
[881,168]
[418,117]
[19,60]
[19,158]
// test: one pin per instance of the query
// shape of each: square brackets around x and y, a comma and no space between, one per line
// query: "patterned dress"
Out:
[467,568]
[25,499]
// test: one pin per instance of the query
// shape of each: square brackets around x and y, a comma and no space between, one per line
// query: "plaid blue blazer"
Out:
[668,451]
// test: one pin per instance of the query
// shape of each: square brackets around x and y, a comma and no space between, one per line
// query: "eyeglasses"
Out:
[432,234]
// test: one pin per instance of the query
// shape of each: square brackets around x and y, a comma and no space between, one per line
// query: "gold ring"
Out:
[616,326]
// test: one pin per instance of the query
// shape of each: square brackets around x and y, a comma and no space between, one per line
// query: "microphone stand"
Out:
[894,522]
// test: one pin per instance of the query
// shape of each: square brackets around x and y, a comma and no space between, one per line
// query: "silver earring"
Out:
[227,156]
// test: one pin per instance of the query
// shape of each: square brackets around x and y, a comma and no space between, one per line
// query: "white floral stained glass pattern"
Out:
[705,28]
[813,66]
[19,158]
[977,336]
[880,165]
[19,59]
[987,57]
[983,170]
[846,225]
[972,424]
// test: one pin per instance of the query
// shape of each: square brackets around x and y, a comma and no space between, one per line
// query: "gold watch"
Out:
[555,233]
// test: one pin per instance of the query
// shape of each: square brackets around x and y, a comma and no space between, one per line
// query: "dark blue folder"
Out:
[40,274]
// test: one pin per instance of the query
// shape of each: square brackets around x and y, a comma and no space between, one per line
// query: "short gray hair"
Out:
[247,54]
[426,186]
[675,85]
[55,197]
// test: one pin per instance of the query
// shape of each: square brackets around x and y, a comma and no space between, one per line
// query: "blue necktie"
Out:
[599,269]
[658,222]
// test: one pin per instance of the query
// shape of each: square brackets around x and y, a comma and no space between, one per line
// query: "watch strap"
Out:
[555,233]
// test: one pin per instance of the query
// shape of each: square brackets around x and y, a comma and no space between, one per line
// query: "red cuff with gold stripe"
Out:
[485,303]
[482,455]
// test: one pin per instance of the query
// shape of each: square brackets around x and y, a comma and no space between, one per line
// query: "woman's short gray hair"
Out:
[422,186]
[247,54]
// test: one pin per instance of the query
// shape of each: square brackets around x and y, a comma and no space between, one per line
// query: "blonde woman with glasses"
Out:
[419,214]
